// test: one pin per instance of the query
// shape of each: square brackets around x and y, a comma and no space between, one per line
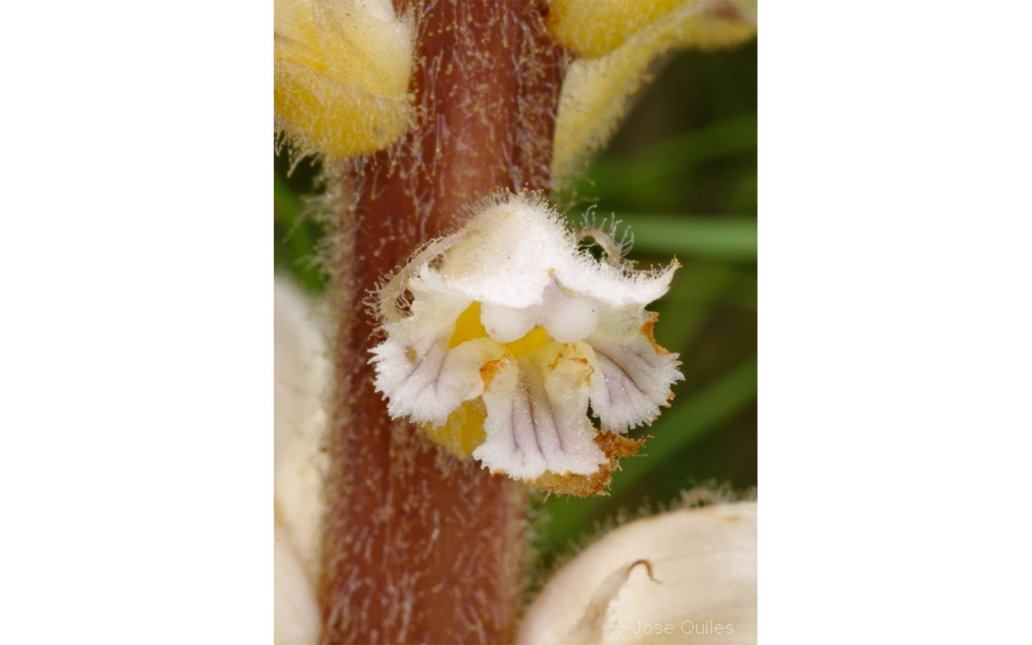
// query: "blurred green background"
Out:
[681,172]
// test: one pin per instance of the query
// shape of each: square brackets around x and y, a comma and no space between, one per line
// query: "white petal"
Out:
[506,324]
[704,566]
[537,415]
[614,286]
[506,254]
[296,611]
[422,378]
[426,381]
[636,374]
[510,252]
[302,373]
[566,319]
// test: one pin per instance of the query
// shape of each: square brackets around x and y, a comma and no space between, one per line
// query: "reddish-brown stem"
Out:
[420,547]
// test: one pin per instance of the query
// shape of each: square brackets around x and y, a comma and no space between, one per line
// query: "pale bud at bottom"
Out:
[702,587]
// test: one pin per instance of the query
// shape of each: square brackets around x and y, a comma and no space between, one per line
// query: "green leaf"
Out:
[725,239]
[714,238]
[296,238]
[718,157]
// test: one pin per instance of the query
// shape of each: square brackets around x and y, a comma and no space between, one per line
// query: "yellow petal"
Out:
[593,28]
[596,91]
[341,75]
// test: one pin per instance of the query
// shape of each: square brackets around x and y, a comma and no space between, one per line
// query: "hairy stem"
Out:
[420,547]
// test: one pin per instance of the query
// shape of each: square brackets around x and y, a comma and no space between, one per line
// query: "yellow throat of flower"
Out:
[468,327]
[464,429]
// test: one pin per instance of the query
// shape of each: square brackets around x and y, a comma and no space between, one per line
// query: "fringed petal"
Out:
[537,415]
[636,373]
[422,377]
[513,250]
[426,381]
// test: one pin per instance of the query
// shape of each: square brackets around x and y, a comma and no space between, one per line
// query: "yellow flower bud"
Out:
[619,40]
[341,75]
[593,28]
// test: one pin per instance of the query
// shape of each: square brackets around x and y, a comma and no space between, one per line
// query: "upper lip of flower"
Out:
[508,312]
[508,256]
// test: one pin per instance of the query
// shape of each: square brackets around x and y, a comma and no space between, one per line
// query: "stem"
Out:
[420,547]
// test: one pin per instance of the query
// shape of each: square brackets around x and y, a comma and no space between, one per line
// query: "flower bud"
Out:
[618,40]
[341,75]
[687,576]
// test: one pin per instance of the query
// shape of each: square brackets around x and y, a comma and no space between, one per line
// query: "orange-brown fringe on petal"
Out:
[597,483]
[647,330]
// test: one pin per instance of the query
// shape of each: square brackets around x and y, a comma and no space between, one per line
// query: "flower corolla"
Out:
[500,336]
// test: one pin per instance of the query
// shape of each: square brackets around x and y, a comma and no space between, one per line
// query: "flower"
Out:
[507,331]
[302,373]
[341,75]
[616,43]
[685,576]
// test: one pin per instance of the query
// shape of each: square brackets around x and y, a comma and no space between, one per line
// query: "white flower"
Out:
[687,576]
[510,332]
[302,373]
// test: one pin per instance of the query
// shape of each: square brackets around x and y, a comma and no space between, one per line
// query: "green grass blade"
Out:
[712,238]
